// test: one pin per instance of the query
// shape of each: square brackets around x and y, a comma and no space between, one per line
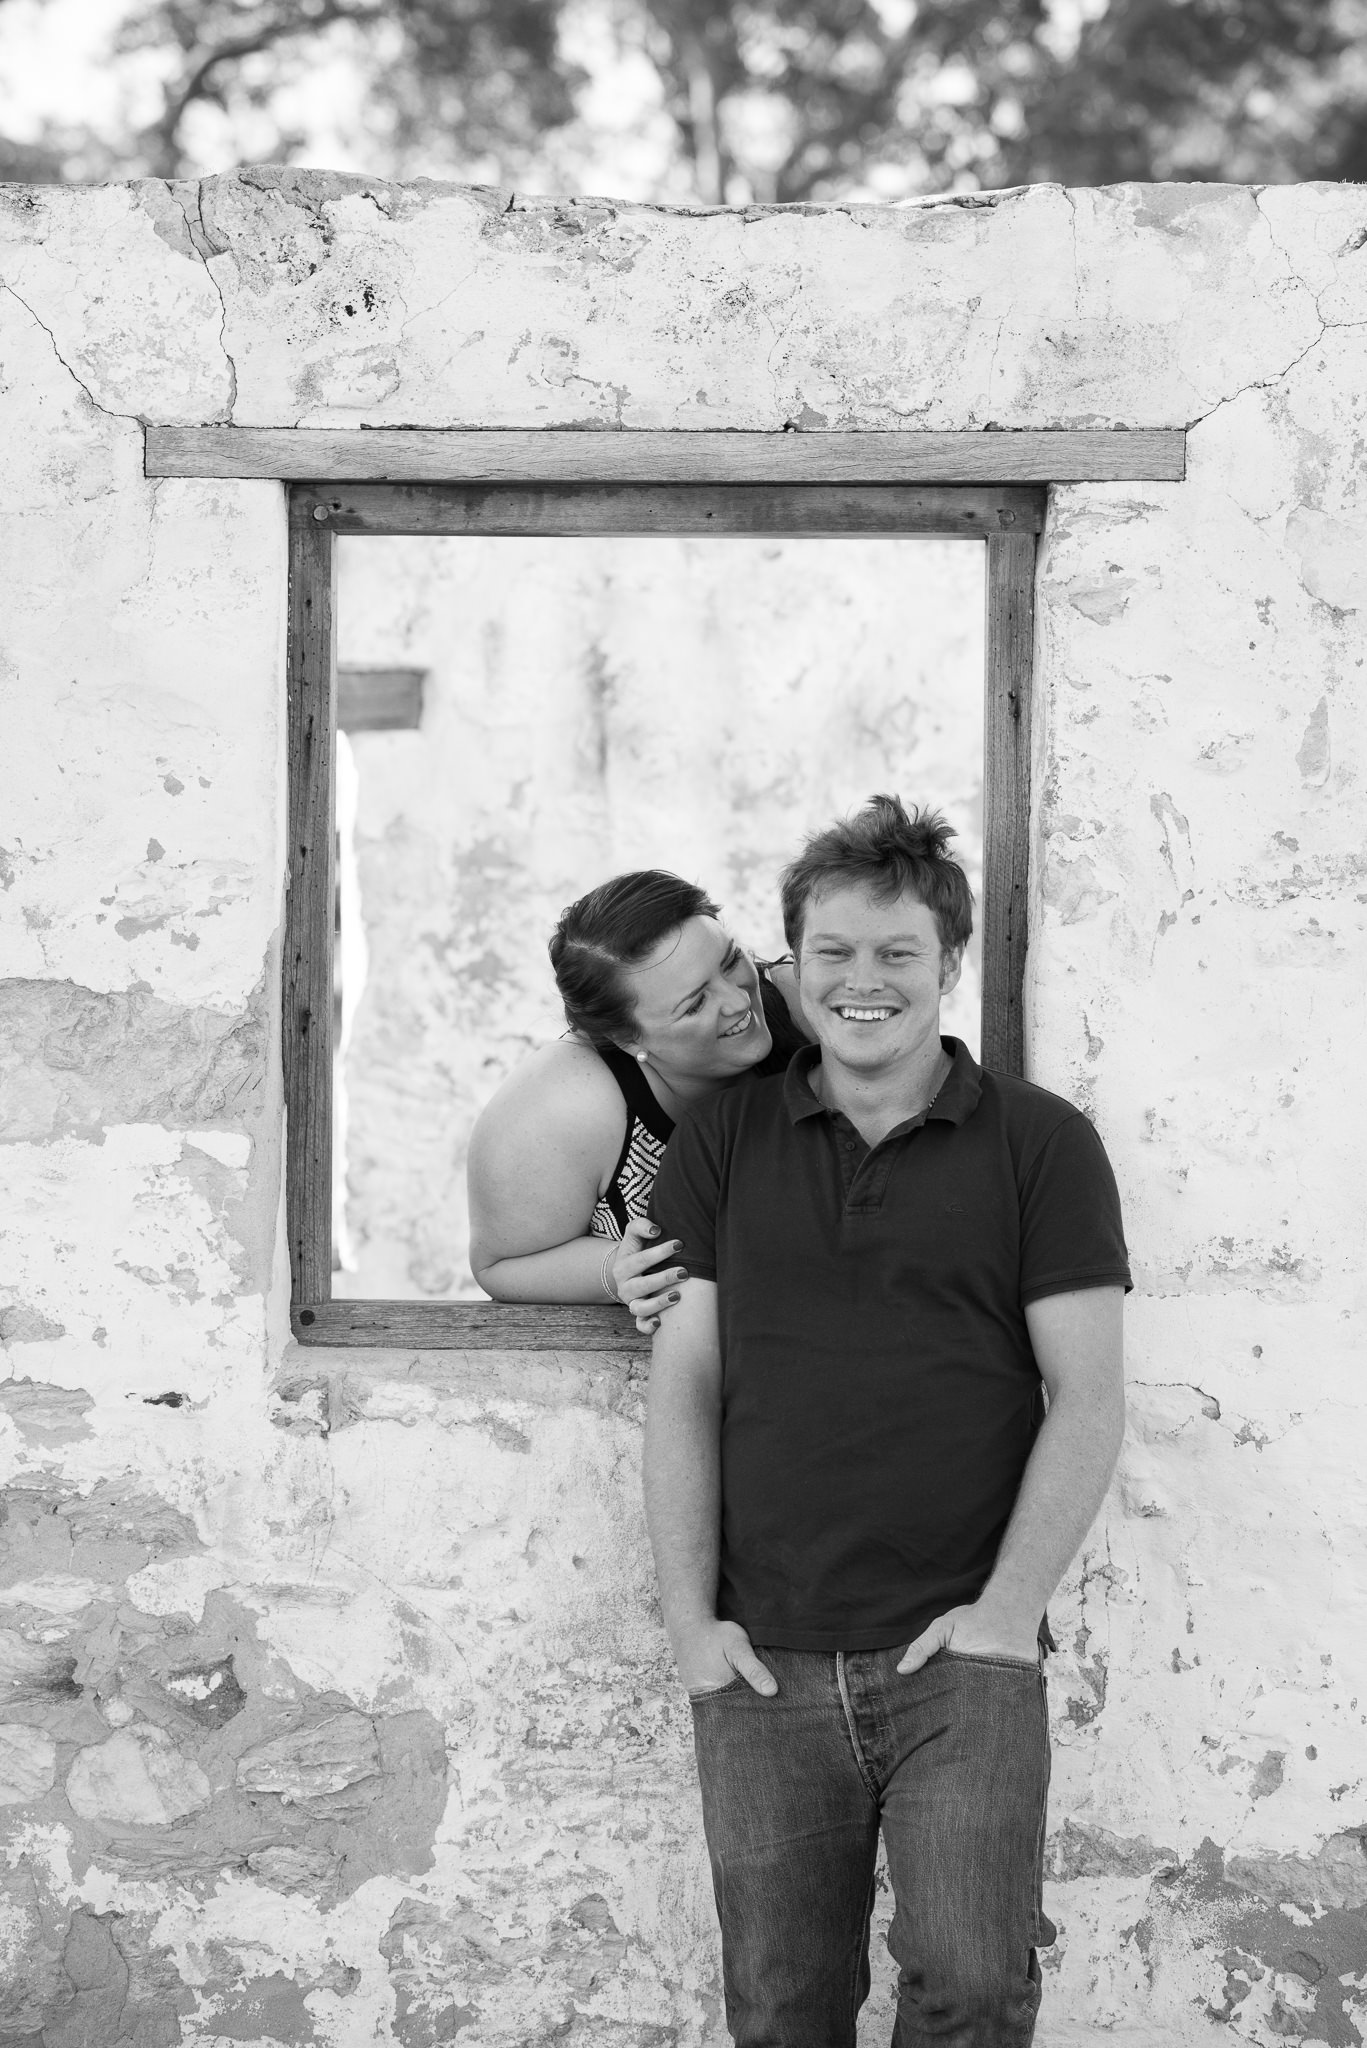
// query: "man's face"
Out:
[871,975]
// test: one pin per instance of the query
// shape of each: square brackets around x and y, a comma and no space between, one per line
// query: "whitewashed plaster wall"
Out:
[591,706]
[336,1709]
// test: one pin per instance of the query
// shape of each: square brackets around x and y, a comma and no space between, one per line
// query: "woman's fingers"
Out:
[640,1281]
[644,1291]
[648,1310]
[629,1265]
[649,1299]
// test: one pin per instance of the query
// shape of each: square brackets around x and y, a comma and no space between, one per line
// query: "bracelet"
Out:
[609,1288]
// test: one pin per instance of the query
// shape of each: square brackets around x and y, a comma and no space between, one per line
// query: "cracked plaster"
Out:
[1195,982]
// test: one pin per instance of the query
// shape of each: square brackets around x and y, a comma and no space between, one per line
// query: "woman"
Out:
[664,1008]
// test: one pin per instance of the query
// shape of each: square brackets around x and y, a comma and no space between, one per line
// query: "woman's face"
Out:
[698,1008]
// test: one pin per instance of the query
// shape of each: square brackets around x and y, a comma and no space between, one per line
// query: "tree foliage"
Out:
[783,100]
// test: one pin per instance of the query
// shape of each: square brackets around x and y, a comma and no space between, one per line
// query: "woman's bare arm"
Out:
[541,1154]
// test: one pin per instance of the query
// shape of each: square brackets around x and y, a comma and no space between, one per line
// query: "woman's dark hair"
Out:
[612,927]
[888,851]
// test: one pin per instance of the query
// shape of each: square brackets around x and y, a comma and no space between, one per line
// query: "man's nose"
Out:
[863,975]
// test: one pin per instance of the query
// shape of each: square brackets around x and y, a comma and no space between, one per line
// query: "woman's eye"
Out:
[693,1008]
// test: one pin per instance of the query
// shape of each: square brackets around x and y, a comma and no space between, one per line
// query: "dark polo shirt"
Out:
[879,1396]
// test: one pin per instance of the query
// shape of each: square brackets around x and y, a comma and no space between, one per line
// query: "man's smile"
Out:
[865,1013]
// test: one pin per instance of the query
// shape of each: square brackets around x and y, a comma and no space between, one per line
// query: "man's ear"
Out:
[951,967]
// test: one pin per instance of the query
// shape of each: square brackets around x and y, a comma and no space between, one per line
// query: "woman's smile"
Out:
[741,1024]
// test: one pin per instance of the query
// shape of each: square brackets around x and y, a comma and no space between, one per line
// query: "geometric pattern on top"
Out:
[632,1183]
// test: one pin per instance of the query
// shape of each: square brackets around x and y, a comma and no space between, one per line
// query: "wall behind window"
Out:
[595,705]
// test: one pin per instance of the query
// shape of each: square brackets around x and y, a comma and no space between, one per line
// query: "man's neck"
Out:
[877,1102]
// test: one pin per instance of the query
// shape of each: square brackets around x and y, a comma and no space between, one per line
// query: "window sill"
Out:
[467,1326]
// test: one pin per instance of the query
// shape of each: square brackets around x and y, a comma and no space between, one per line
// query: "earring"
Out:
[643,1057]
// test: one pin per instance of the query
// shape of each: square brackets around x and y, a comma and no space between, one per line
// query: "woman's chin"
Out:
[756,1046]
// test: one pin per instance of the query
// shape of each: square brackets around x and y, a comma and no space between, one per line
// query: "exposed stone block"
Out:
[1335,1876]
[313,1760]
[125,1993]
[292,1868]
[33,1984]
[46,1414]
[34,1671]
[77,1059]
[1078,1850]
[28,1764]
[137,1778]
[208,1691]
[23,1325]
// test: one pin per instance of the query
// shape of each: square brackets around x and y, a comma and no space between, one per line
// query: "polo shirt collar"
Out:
[959,1095]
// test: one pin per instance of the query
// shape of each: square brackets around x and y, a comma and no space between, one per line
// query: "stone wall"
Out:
[335,1705]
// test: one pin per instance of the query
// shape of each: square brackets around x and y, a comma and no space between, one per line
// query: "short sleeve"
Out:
[1072,1234]
[684,1200]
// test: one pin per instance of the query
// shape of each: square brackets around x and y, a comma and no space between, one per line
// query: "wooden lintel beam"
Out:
[972,511]
[495,455]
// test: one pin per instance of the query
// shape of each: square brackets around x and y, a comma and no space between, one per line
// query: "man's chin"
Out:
[863,1056]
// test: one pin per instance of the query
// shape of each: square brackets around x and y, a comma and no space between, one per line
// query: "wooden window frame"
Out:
[990,487]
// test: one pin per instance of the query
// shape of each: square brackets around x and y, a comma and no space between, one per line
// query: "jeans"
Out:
[952,1762]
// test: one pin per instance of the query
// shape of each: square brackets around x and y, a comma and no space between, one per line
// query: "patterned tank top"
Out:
[649,1127]
[648,1132]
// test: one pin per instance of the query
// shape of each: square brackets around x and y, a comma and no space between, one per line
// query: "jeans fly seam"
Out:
[848,1706]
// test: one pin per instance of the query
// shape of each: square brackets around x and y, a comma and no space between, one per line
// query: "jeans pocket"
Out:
[699,1694]
[992,1658]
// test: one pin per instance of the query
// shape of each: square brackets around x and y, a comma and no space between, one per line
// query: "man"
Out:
[858,1506]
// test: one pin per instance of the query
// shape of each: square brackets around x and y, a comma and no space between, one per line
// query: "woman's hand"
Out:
[646,1294]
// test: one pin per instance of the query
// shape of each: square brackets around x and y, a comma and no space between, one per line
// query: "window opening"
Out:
[329,790]
[595,705]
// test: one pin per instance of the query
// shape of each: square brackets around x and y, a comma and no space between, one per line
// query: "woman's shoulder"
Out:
[560,1084]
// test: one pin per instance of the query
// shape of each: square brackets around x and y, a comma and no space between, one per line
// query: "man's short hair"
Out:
[888,851]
